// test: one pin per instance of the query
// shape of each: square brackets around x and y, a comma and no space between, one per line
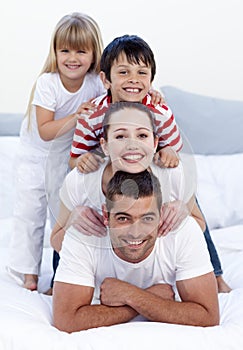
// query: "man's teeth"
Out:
[134,242]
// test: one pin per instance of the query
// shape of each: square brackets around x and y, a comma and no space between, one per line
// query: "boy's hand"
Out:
[173,214]
[156,97]
[166,157]
[88,162]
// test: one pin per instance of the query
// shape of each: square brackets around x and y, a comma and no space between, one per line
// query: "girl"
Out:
[69,78]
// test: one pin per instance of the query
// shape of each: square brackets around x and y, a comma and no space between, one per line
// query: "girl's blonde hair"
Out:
[74,31]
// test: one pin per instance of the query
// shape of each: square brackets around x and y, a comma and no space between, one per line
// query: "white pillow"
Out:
[220,189]
[211,125]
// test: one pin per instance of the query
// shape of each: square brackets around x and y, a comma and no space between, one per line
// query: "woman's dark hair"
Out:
[118,106]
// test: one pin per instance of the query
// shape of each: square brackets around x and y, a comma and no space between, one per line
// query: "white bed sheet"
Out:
[26,317]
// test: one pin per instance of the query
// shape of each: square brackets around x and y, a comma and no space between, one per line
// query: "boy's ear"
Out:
[103,145]
[104,80]
[105,215]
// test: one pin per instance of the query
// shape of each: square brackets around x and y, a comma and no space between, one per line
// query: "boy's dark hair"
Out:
[138,185]
[135,49]
[118,106]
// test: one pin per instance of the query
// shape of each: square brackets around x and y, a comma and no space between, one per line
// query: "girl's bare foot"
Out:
[222,285]
[30,282]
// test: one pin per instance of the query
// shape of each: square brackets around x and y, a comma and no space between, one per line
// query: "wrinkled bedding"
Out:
[26,317]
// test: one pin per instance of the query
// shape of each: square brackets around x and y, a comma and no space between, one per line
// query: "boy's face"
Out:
[133,227]
[129,82]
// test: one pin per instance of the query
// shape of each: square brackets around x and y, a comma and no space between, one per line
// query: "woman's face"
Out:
[130,141]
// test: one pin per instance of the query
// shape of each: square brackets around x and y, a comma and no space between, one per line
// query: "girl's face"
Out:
[73,66]
[130,141]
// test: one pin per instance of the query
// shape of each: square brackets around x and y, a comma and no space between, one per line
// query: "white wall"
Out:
[197,43]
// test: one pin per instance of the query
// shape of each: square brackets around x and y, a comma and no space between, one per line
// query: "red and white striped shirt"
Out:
[89,130]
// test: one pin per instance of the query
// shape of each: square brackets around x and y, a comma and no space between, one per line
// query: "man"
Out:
[131,271]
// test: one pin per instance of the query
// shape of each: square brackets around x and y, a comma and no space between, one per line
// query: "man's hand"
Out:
[88,221]
[173,214]
[162,290]
[113,292]
[166,158]
[88,162]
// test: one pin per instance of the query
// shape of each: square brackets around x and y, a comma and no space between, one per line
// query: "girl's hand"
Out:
[166,158]
[86,109]
[87,221]
[88,162]
[173,213]
[156,97]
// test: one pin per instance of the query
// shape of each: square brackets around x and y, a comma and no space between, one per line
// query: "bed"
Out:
[26,317]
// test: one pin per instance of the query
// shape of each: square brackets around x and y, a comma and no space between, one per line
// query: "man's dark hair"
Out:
[138,185]
[119,106]
[135,49]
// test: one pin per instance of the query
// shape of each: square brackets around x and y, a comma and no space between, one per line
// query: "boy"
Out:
[127,72]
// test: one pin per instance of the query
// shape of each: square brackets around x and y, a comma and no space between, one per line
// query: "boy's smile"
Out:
[129,82]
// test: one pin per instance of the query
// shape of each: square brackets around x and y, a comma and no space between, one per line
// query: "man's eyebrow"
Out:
[122,213]
[151,213]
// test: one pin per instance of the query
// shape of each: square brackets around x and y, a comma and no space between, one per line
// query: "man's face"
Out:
[133,225]
[128,82]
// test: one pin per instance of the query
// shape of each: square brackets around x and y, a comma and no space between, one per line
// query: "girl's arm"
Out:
[50,128]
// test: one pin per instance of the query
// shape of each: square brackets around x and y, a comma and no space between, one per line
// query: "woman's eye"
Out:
[119,137]
[143,136]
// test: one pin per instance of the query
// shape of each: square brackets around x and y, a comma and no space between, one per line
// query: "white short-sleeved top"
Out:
[88,260]
[86,189]
[52,95]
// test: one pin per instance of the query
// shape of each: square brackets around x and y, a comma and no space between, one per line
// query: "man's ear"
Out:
[104,80]
[105,215]
[103,145]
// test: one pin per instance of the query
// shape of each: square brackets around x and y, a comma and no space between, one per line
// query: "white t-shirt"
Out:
[86,189]
[88,260]
[52,95]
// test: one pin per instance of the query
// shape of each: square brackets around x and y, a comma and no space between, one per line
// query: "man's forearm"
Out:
[93,316]
[157,309]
